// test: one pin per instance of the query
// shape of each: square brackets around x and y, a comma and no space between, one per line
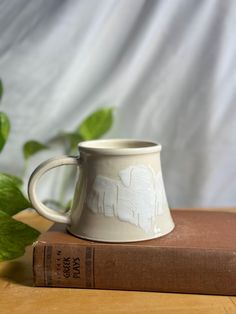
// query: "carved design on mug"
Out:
[138,197]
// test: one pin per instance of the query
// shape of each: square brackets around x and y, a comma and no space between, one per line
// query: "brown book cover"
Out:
[199,256]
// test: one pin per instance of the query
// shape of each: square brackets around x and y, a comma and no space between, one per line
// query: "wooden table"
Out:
[17,294]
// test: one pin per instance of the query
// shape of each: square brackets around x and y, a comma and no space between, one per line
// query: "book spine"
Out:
[136,268]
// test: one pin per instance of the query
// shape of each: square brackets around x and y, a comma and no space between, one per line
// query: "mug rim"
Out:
[137,146]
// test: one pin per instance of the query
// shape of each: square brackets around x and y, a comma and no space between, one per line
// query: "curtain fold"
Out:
[167,66]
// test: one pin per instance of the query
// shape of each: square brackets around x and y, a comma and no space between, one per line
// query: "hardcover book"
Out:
[198,256]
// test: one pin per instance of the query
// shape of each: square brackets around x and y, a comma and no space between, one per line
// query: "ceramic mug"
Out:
[119,195]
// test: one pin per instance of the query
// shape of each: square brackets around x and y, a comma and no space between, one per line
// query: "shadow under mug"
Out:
[119,194]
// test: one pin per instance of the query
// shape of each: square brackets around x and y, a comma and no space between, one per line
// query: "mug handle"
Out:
[36,175]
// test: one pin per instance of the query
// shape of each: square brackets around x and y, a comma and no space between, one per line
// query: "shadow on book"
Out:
[19,270]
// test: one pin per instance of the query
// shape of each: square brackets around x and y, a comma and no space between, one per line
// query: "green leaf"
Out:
[97,124]
[3,214]
[12,199]
[4,129]
[69,205]
[32,147]
[15,180]
[73,139]
[14,237]
[1,89]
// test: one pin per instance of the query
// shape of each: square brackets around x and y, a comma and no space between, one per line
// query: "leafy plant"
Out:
[102,119]
[32,147]
[16,235]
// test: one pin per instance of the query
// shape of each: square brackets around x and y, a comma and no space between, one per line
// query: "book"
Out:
[198,256]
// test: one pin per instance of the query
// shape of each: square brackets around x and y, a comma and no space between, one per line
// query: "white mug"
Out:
[119,195]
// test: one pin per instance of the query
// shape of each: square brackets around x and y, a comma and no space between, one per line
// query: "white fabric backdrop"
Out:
[168,66]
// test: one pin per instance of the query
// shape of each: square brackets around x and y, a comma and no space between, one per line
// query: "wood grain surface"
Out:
[17,294]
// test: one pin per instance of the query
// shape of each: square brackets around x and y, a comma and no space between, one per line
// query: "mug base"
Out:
[118,240]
